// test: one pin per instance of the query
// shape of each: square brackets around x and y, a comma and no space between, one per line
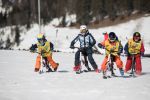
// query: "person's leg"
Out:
[38,63]
[84,54]
[119,64]
[118,61]
[128,63]
[77,58]
[92,62]
[77,61]
[104,67]
[104,63]
[86,63]
[52,62]
[138,65]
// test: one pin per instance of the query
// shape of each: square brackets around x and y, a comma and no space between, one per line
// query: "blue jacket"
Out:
[86,41]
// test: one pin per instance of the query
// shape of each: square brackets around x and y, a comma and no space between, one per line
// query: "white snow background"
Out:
[18,81]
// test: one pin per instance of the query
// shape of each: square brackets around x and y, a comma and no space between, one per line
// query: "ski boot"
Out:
[55,69]
[104,75]
[77,69]
[36,69]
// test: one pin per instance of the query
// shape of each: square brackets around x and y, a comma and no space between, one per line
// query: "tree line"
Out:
[25,12]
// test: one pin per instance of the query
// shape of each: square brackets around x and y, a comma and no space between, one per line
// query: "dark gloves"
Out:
[100,46]
[51,46]
[32,48]
[72,47]
[120,51]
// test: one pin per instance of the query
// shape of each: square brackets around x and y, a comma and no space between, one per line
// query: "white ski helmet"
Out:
[83,28]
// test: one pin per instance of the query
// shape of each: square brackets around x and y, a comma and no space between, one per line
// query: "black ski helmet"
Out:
[112,36]
[137,34]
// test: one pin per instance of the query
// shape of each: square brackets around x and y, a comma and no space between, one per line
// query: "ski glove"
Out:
[100,46]
[120,51]
[32,48]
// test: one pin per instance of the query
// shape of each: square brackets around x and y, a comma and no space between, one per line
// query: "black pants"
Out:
[90,58]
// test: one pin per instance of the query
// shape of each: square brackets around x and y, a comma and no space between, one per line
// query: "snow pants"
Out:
[117,59]
[90,58]
[50,60]
[138,65]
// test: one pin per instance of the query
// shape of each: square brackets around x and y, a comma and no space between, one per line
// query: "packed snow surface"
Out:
[18,81]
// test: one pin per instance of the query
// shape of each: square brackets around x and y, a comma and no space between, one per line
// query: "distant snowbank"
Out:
[61,37]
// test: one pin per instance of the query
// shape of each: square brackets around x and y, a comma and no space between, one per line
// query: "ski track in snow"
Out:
[18,81]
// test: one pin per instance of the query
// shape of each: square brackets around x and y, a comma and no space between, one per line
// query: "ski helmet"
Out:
[83,29]
[136,36]
[41,38]
[112,36]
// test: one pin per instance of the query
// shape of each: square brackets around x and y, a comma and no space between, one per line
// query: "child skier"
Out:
[134,47]
[112,46]
[44,48]
[87,41]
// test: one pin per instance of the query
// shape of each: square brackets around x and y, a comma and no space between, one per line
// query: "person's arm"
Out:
[51,46]
[33,47]
[73,42]
[142,50]
[92,41]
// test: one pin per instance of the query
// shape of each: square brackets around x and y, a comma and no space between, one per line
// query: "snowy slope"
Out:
[64,36]
[18,81]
